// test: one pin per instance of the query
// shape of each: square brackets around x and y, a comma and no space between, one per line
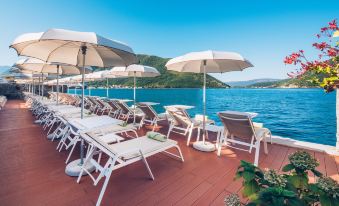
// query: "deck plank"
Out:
[30,167]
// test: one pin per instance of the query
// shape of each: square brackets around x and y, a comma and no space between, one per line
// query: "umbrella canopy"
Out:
[208,62]
[39,66]
[216,62]
[95,76]
[134,70]
[65,46]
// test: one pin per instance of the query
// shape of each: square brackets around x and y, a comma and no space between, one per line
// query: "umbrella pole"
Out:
[107,87]
[39,86]
[83,49]
[57,100]
[134,81]
[204,105]
[33,86]
[42,85]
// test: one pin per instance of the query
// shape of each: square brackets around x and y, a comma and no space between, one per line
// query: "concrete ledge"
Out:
[305,145]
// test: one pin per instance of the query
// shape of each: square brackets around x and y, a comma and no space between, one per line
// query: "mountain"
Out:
[250,82]
[285,83]
[167,79]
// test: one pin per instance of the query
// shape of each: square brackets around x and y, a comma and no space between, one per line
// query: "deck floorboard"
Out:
[32,171]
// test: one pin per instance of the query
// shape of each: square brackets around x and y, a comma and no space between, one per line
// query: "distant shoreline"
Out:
[214,88]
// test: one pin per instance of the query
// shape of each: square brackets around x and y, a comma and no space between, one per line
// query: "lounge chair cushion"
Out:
[111,138]
[156,136]
[143,144]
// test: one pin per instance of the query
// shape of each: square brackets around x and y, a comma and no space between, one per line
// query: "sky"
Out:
[263,31]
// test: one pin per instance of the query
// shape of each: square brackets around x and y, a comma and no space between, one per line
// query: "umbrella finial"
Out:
[83,49]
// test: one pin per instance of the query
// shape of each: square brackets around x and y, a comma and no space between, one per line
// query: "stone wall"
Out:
[14,91]
[11,91]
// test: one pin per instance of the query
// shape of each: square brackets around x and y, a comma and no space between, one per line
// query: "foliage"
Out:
[167,79]
[324,70]
[266,188]
[232,200]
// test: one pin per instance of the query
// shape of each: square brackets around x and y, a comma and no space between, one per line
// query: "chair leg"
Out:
[99,159]
[110,163]
[103,189]
[169,130]
[257,150]
[147,166]
[71,152]
[180,153]
[265,146]
[87,159]
[189,135]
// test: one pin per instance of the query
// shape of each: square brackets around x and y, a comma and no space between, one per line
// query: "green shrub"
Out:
[267,188]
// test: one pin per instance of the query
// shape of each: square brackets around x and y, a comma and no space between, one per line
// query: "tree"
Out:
[324,69]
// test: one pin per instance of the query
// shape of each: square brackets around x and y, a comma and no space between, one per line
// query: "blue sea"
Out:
[302,114]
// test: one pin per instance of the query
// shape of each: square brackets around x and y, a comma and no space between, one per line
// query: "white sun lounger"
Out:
[123,154]
[77,126]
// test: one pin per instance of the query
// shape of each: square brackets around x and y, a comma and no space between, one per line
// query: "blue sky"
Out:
[262,31]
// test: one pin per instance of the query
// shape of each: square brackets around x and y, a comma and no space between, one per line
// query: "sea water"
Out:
[302,114]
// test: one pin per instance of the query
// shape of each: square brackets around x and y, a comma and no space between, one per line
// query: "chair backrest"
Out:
[92,100]
[99,102]
[179,117]
[124,108]
[114,105]
[238,125]
[149,112]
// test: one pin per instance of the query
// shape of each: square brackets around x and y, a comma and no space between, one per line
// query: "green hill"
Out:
[167,79]
[285,83]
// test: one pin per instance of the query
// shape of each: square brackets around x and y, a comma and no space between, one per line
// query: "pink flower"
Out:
[333,25]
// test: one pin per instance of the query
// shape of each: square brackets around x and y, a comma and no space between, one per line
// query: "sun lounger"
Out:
[77,125]
[239,133]
[181,123]
[126,112]
[151,116]
[115,109]
[123,154]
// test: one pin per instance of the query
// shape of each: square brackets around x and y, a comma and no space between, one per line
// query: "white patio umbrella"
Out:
[207,62]
[134,70]
[39,66]
[20,73]
[97,76]
[78,49]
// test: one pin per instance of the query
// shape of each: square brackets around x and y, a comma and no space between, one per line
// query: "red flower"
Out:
[333,25]
[323,29]
[320,46]
[318,35]
[332,52]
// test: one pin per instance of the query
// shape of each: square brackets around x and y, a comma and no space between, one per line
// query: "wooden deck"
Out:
[32,171]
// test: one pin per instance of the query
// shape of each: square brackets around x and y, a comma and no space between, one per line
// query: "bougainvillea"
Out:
[326,65]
